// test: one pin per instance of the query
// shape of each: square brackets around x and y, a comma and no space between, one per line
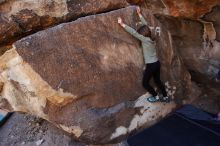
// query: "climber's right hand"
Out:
[120,22]
[138,10]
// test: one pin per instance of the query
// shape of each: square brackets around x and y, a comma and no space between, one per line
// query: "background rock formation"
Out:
[22,17]
[85,75]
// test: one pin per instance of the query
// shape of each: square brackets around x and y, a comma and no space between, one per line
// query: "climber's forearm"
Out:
[143,20]
[130,30]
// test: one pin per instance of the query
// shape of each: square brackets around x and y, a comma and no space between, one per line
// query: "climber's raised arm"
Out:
[143,21]
[132,31]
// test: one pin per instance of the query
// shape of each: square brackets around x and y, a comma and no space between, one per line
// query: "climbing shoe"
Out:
[153,99]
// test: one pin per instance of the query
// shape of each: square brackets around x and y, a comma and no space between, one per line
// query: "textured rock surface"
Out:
[189,8]
[92,64]
[214,17]
[85,76]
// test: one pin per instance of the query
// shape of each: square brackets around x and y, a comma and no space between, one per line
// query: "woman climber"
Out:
[152,63]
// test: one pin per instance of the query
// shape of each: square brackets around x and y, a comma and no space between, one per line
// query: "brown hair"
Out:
[145,31]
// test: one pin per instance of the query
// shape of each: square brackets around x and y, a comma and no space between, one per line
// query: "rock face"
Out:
[188,8]
[87,65]
[85,76]
[213,17]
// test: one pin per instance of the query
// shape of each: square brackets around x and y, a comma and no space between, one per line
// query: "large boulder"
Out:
[85,77]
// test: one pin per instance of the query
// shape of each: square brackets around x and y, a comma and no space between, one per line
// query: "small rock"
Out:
[23,143]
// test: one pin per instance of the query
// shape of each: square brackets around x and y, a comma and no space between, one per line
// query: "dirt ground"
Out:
[27,130]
